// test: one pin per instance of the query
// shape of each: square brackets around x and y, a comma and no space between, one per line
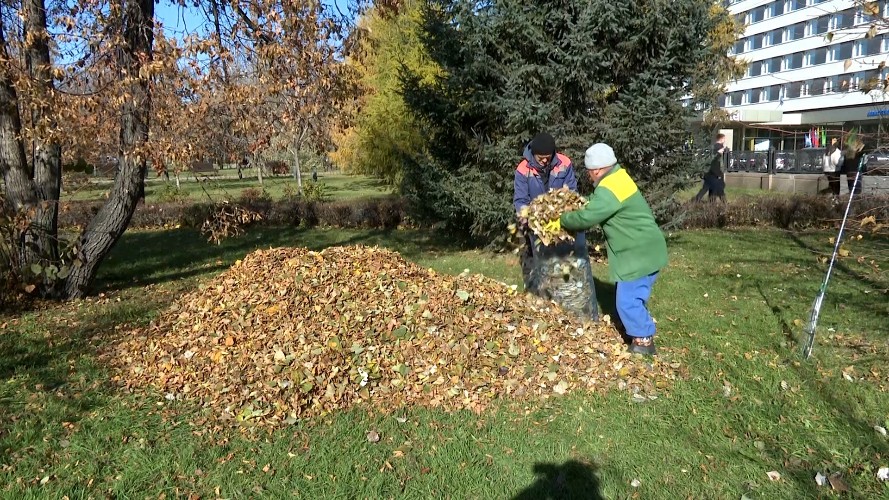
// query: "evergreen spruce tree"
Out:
[583,71]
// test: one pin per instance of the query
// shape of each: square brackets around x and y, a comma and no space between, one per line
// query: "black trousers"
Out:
[833,182]
[714,187]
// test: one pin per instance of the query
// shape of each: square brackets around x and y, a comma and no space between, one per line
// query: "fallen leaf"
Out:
[373,437]
[820,479]
[883,474]
[880,430]
[635,483]
[837,482]
[773,475]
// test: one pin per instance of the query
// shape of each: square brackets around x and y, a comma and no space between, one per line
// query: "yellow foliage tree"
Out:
[381,130]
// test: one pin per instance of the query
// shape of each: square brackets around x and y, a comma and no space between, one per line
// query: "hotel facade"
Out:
[808,62]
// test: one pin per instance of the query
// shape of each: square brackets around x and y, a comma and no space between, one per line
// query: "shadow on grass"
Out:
[154,257]
[48,374]
[572,479]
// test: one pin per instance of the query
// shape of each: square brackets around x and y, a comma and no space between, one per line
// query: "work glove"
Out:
[553,226]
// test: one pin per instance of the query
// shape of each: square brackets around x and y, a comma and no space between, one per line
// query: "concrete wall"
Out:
[801,183]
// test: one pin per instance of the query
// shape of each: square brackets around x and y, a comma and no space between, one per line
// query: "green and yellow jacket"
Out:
[635,244]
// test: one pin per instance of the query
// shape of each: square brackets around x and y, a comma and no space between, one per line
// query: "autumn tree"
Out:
[118,38]
[86,77]
[382,129]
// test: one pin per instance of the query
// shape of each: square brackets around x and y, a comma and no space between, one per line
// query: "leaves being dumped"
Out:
[547,208]
[289,333]
[227,221]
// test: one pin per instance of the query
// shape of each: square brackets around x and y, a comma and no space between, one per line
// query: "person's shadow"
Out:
[573,479]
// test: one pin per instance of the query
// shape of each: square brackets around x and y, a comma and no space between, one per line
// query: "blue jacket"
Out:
[529,183]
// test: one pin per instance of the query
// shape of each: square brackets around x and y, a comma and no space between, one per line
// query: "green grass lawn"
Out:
[339,186]
[729,307]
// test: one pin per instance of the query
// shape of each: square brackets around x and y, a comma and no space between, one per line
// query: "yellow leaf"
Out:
[844,252]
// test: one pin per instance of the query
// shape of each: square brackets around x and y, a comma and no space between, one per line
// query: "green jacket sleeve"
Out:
[601,206]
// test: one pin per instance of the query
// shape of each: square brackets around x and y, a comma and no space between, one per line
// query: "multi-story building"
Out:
[809,61]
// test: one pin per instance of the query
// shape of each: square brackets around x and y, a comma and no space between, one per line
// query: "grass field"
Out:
[338,185]
[729,307]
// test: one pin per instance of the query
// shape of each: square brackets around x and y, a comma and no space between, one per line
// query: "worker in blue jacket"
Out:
[543,169]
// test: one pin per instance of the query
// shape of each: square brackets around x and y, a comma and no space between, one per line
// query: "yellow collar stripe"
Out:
[620,184]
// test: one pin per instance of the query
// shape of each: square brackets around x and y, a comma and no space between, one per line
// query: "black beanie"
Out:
[543,144]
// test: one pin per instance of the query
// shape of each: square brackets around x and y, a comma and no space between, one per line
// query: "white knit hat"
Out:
[599,155]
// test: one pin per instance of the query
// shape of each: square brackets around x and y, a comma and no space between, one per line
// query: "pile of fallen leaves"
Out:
[288,333]
[547,208]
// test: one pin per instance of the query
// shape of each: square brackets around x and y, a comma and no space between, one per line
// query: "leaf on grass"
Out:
[373,437]
[883,474]
[774,475]
[837,482]
[820,479]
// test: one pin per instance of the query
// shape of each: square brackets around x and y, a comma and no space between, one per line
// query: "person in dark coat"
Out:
[714,181]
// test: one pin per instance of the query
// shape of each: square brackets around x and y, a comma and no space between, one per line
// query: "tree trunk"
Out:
[297,171]
[47,160]
[19,189]
[109,224]
[258,168]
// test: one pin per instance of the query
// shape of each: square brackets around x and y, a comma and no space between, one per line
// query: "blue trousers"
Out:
[632,305]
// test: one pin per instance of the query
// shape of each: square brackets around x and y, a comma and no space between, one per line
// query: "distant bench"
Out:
[202,167]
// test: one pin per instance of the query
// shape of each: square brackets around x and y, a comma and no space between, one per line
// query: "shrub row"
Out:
[790,212]
[786,212]
[383,213]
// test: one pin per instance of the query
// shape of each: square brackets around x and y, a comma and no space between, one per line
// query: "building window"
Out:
[844,19]
[846,82]
[818,86]
[842,51]
[773,93]
[818,56]
[756,15]
[794,61]
[754,96]
[738,47]
[870,46]
[796,32]
[870,80]
[797,4]
[723,100]
[778,8]
[754,69]
[777,36]
[754,42]
[867,18]
[794,89]
[821,25]
[734,98]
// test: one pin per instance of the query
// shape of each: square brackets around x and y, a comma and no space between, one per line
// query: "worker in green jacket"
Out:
[636,247]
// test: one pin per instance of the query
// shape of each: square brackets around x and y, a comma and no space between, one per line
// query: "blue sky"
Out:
[178,20]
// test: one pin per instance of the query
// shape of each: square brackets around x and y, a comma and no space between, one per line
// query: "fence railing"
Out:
[801,161]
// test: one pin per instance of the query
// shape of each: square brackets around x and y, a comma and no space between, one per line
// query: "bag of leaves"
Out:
[556,265]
